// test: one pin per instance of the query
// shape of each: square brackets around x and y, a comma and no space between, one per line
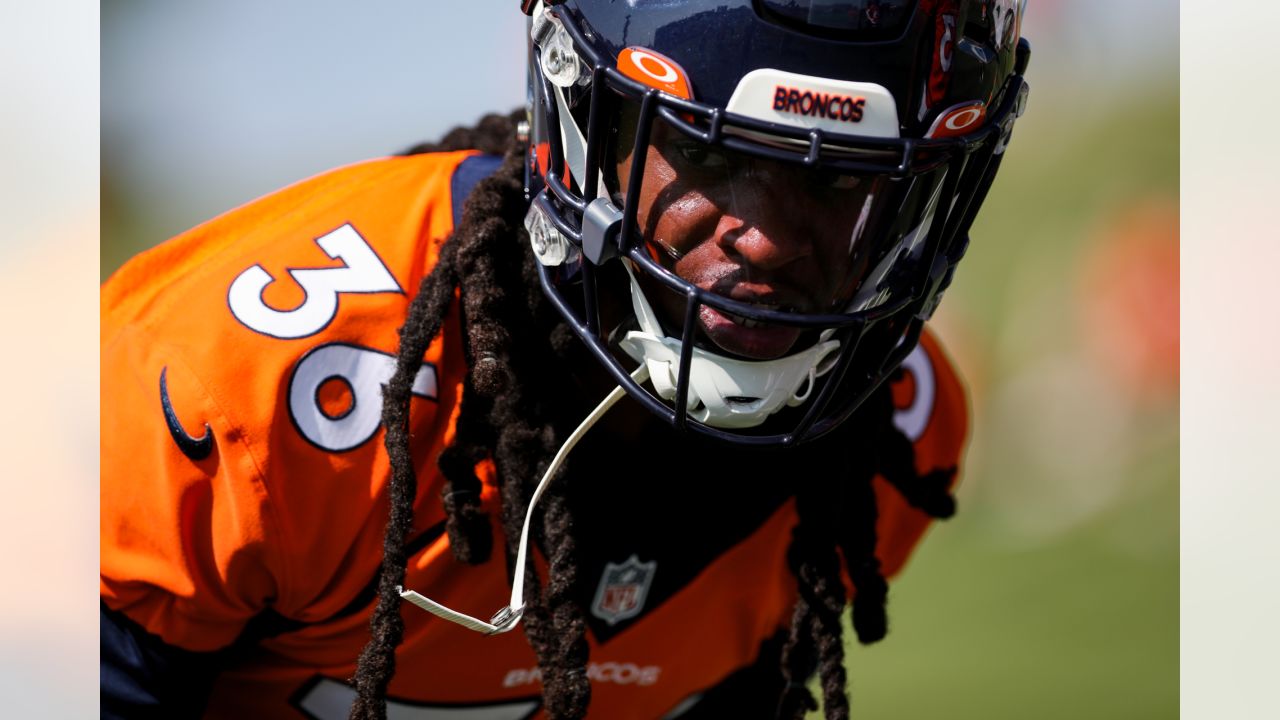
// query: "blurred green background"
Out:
[1054,592]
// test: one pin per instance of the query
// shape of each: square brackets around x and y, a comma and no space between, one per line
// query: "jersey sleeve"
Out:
[142,676]
[189,548]
[932,411]
[241,366]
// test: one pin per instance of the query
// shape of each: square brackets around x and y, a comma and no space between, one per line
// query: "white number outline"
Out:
[324,698]
[913,420]
[362,272]
[365,371]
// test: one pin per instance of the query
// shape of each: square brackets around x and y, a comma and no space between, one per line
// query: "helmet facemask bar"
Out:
[962,186]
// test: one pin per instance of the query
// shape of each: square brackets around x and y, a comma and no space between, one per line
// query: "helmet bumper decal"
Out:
[808,102]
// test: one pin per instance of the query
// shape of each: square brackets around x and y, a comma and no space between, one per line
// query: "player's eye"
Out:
[831,180]
[700,156]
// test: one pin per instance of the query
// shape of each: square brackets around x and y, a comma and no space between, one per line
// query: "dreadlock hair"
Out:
[511,332]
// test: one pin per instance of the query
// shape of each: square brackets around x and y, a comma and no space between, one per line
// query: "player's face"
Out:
[776,235]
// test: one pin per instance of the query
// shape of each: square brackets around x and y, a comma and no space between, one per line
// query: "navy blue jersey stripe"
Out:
[466,176]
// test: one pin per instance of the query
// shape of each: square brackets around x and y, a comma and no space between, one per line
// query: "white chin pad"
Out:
[723,392]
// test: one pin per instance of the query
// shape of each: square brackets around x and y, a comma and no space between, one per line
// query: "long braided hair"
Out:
[511,333]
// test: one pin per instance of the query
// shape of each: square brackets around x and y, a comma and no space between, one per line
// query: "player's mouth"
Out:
[745,337]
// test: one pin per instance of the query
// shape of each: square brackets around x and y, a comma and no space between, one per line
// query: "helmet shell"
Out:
[939,54]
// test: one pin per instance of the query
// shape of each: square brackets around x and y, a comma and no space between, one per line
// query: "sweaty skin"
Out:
[759,231]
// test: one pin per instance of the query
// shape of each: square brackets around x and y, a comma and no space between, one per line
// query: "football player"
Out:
[646,362]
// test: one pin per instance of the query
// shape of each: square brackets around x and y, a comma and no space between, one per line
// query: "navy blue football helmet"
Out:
[777,192]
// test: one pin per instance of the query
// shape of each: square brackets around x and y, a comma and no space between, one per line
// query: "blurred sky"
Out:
[208,105]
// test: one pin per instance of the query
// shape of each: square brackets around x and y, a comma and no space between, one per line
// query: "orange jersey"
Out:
[244,475]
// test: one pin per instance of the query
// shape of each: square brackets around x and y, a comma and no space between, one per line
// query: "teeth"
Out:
[751,323]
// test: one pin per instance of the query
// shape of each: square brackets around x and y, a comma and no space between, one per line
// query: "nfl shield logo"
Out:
[623,587]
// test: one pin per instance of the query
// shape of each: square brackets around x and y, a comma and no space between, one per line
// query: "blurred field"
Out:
[1054,592]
